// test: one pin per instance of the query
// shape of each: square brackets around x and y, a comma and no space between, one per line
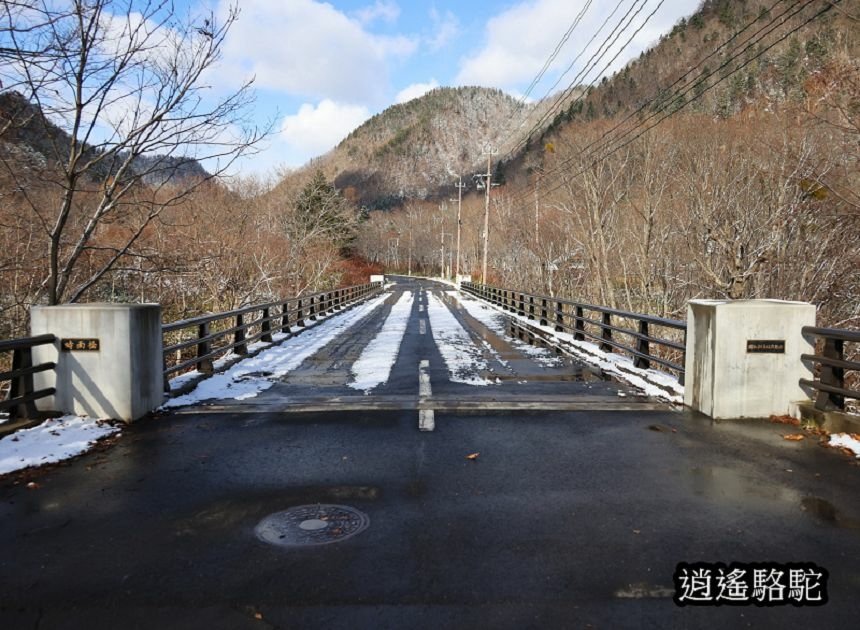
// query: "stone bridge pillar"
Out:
[743,357]
[109,359]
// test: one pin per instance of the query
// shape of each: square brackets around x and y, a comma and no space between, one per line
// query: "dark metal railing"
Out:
[216,334]
[831,365]
[600,324]
[21,397]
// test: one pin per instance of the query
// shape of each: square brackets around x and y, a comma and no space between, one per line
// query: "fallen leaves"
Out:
[785,420]
[794,437]
[473,456]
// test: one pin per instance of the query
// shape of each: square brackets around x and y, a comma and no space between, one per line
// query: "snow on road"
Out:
[650,381]
[248,378]
[52,441]
[374,366]
[463,358]
[497,322]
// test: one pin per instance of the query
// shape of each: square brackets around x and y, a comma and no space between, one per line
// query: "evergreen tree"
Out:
[322,211]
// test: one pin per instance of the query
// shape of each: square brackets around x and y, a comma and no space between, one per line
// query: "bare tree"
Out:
[125,81]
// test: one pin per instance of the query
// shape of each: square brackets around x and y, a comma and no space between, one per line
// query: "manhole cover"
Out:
[317,524]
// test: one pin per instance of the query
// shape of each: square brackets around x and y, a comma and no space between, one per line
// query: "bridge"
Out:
[413,455]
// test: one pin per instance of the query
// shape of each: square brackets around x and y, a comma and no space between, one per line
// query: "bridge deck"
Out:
[567,518]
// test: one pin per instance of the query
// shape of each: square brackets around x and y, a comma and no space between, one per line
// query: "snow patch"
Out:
[462,357]
[52,441]
[250,377]
[374,366]
[844,440]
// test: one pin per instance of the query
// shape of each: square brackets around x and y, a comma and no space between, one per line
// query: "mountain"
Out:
[30,139]
[411,149]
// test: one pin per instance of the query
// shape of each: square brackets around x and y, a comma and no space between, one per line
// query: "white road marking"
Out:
[426,419]
[420,308]
[422,326]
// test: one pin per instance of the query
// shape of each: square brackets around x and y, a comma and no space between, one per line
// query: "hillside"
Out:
[772,50]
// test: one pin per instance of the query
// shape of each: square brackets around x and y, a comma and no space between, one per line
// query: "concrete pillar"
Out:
[743,357]
[109,359]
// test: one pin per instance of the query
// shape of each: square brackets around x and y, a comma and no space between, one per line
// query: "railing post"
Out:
[606,333]
[643,347]
[531,307]
[833,376]
[22,359]
[285,317]
[559,317]
[312,314]
[300,317]
[329,298]
[543,314]
[522,310]
[204,347]
[337,299]
[266,327]
[579,325]
[239,336]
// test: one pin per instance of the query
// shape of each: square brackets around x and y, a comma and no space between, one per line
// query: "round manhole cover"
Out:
[317,524]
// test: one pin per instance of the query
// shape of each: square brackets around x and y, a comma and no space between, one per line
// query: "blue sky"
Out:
[322,68]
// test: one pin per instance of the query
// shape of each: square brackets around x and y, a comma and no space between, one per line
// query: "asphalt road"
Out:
[574,514]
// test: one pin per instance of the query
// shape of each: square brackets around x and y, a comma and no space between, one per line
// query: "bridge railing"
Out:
[635,334]
[20,394]
[195,343]
[831,364]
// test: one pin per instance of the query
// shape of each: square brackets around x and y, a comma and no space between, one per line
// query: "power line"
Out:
[769,27]
[697,96]
[593,60]
[543,70]
[558,47]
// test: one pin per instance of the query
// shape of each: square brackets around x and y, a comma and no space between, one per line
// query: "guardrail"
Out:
[832,365]
[579,320]
[21,397]
[217,334]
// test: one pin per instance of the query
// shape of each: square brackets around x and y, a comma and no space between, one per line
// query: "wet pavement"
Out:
[574,514]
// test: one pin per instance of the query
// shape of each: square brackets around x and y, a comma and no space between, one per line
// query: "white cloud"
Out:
[381,10]
[446,27]
[310,49]
[313,130]
[415,90]
[518,41]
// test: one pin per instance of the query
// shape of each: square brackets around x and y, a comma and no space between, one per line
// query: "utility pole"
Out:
[460,186]
[537,207]
[442,207]
[409,211]
[489,152]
